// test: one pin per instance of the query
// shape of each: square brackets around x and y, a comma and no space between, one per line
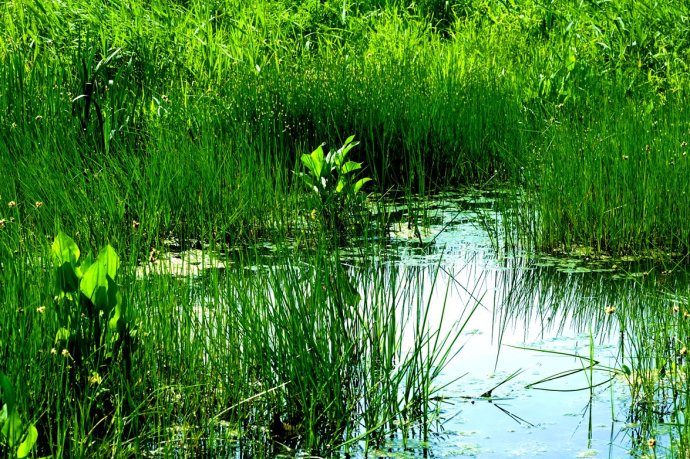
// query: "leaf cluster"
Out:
[334,181]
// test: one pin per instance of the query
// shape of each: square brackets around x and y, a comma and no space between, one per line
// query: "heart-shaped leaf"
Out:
[65,250]
[94,284]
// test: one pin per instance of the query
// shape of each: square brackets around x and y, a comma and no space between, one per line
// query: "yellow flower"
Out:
[683,351]
[65,353]
[39,204]
[651,442]
[95,378]
[313,214]
[12,204]
[41,309]
[610,310]
[53,351]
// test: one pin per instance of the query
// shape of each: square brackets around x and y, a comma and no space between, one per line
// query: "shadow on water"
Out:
[548,356]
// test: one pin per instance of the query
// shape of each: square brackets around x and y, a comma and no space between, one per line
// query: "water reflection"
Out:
[557,357]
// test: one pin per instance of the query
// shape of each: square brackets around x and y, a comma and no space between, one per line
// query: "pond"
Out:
[546,341]
[553,356]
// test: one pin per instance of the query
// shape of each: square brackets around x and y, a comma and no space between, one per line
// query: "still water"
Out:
[538,369]
[542,364]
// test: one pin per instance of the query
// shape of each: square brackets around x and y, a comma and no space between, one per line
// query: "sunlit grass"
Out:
[136,124]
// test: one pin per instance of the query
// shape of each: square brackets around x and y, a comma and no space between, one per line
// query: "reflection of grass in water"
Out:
[654,329]
[305,352]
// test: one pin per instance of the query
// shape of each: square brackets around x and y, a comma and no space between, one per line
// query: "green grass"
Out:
[132,123]
[253,348]
[438,94]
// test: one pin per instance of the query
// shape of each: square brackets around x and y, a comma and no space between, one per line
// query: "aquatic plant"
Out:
[94,332]
[336,188]
[17,438]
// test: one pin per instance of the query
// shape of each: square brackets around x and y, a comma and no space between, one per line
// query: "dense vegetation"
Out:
[189,116]
[128,122]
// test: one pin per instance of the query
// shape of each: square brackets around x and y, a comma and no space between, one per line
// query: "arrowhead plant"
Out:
[333,180]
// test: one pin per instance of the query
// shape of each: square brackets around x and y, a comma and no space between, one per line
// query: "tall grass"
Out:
[128,123]
[438,93]
[305,352]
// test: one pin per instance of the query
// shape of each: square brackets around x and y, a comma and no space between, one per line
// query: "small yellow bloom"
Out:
[53,351]
[610,310]
[626,157]
[41,309]
[65,353]
[313,214]
[676,309]
[12,204]
[686,314]
[95,378]
[3,222]
[39,204]
[651,442]
[135,224]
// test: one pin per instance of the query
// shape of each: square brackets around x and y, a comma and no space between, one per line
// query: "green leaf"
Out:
[94,284]
[12,428]
[67,278]
[65,250]
[361,183]
[308,162]
[8,395]
[317,160]
[344,150]
[84,265]
[114,321]
[29,441]
[350,166]
[341,184]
